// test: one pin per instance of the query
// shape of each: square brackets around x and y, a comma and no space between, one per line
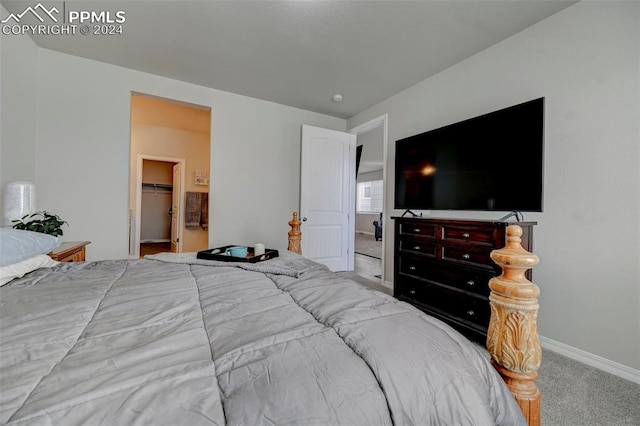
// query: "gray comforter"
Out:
[157,342]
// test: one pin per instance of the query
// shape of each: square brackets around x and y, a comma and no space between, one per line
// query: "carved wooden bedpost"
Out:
[295,234]
[512,338]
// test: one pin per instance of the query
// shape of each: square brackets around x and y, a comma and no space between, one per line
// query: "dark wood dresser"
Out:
[443,267]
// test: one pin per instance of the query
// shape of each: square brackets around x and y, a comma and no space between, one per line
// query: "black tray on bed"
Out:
[218,254]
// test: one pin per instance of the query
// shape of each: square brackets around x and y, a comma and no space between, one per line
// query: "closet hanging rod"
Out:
[157,185]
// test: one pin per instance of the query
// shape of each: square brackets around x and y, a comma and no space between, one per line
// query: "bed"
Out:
[173,339]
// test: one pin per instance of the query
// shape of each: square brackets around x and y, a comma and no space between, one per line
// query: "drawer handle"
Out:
[416,230]
[471,313]
[412,292]
[466,256]
[416,247]
[412,268]
[471,283]
[466,235]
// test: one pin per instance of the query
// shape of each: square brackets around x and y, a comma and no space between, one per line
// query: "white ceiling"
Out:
[299,53]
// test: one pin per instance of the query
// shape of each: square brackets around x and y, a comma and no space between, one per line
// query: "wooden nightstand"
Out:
[71,251]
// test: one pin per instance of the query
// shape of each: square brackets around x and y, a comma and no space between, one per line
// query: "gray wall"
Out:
[585,61]
[18,96]
[364,222]
[372,150]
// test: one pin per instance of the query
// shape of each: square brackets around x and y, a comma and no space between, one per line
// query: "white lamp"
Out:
[19,200]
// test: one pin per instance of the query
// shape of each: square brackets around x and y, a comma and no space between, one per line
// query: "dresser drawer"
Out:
[467,280]
[447,302]
[471,235]
[414,267]
[469,256]
[423,247]
[417,228]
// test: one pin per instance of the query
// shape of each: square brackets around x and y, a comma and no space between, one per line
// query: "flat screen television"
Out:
[490,162]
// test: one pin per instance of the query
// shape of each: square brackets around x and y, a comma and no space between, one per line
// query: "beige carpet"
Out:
[367,245]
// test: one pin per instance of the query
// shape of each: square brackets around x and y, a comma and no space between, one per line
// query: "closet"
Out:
[157,193]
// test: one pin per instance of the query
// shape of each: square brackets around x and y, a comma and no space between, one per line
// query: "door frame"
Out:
[383,121]
[138,218]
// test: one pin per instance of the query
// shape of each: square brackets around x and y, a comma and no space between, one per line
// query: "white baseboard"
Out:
[387,284]
[592,360]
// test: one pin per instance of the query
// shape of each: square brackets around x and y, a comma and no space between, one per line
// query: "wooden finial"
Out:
[295,235]
[512,338]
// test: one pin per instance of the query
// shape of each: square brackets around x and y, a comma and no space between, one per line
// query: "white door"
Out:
[327,196]
[176,210]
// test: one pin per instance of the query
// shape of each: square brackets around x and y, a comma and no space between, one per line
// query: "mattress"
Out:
[188,342]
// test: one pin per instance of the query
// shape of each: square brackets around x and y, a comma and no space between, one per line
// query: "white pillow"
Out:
[17,270]
[18,244]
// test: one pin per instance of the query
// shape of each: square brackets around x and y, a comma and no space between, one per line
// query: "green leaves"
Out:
[43,222]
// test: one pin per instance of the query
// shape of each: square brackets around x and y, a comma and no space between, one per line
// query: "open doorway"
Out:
[169,176]
[370,199]
[159,183]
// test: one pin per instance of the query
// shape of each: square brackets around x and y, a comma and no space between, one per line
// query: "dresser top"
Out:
[68,247]
[464,221]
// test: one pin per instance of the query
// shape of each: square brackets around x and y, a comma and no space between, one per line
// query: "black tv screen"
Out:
[490,162]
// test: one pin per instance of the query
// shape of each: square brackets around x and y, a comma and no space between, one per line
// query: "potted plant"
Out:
[44,222]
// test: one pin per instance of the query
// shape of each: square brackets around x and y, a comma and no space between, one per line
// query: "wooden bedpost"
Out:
[512,338]
[295,235]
